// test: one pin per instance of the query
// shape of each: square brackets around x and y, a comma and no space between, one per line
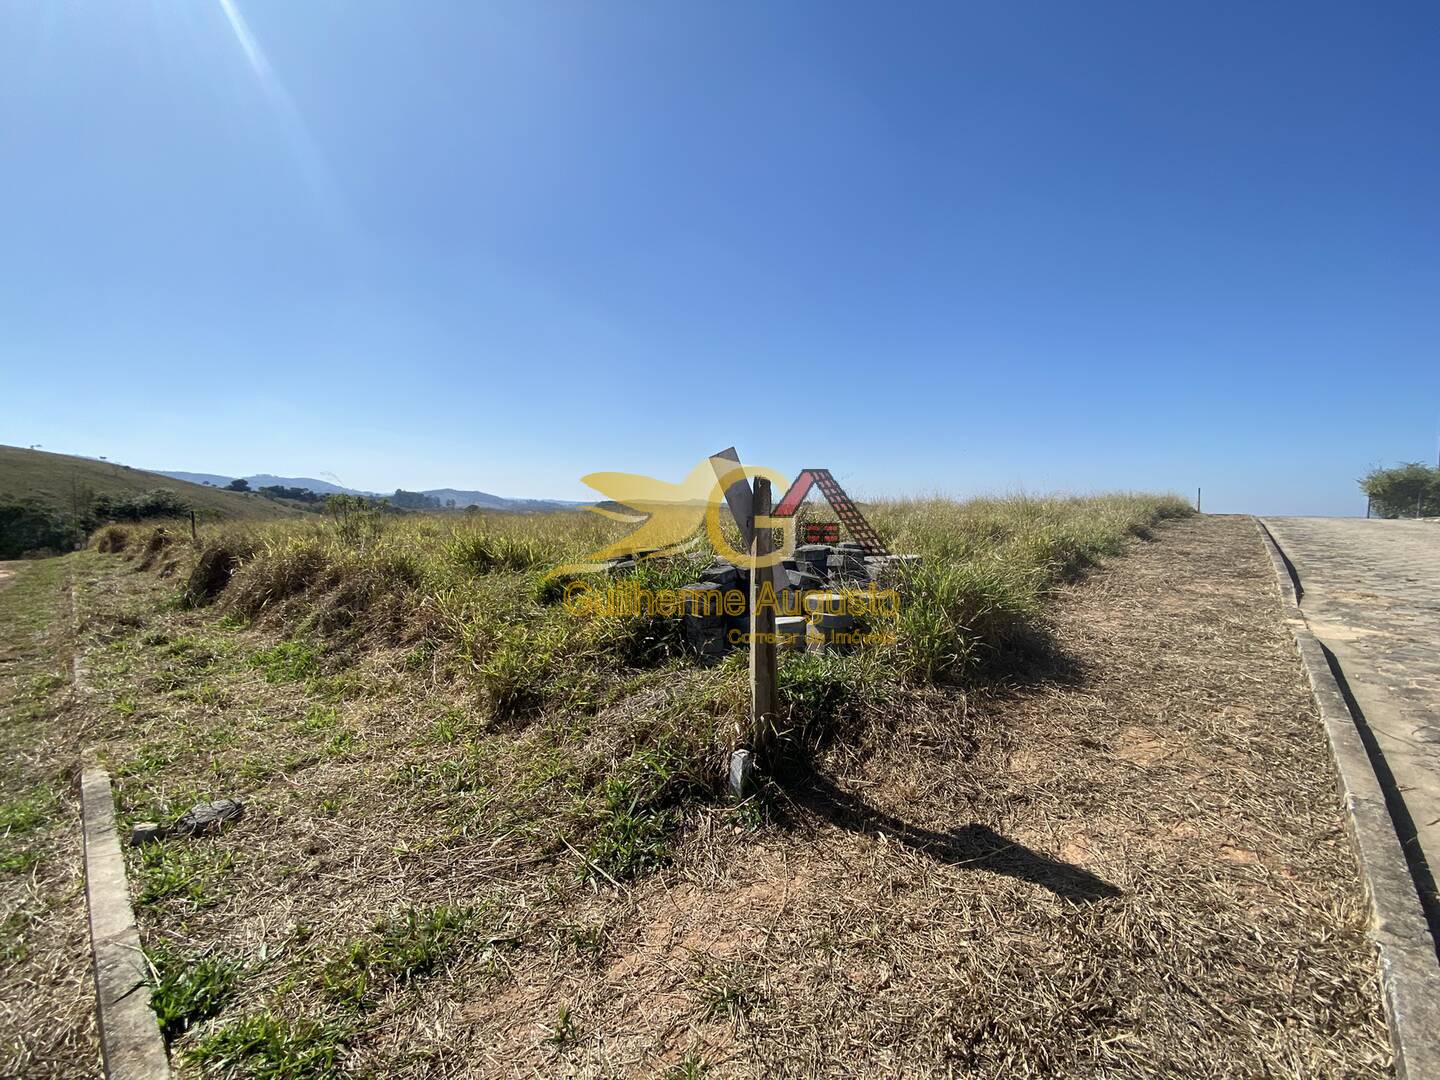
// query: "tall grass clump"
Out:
[470,551]
[476,586]
[987,566]
[110,540]
[221,554]
[615,721]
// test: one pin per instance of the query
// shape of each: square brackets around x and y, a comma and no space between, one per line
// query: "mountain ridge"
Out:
[463,497]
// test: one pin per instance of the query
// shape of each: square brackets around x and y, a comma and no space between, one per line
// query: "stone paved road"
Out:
[1371,594]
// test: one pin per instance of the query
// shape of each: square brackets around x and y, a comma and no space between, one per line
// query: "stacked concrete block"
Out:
[790,632]
[847,564]
[889,569]
[828,623]
[705,623]
[813,572]
[806,579]
[726,575]
[814,558]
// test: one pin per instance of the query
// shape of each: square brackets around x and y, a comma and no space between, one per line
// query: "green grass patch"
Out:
[395,953]
[264,1045]
[287,661]
[632,836]
[19,820]
[188,991]
[177,871]
[564,1032]
[27,813]
[730,993]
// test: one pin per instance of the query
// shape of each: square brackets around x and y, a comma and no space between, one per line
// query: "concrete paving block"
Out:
[742,773]
[824,601]
[791,631]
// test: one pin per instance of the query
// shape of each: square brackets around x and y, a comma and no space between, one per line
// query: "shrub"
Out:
[358,520]
[160,503]
[28,528]
[1411,490]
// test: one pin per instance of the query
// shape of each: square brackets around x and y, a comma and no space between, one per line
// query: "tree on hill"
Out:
[295,494]
[414,500]
[160,503]
[238,485]
[1409,490]
[27,528]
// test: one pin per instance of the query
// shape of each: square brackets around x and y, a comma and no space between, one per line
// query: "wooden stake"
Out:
[763,700]
[192,525]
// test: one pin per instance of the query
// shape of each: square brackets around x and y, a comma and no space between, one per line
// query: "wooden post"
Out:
[763,701]
[192,525]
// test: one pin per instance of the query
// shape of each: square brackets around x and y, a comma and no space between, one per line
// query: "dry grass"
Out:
[110,540]
[46,994]
[1125,856]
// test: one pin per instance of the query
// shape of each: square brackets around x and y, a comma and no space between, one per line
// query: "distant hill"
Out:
[496,502]
[259,480]
[462,497]
[65,484]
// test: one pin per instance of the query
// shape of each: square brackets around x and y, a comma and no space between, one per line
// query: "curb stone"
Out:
[130,1039]
[1406,959]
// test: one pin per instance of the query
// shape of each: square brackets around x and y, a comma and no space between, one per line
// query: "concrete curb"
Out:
[1408,968]
[130,1039]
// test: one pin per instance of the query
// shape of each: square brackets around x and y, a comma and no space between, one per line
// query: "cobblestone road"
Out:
[1371,594]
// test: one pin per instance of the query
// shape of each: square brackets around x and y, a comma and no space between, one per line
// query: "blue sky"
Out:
[958,247]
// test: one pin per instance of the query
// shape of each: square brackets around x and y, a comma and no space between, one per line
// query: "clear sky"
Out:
[957,247]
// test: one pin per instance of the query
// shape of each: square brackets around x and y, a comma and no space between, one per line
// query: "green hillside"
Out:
[69,485]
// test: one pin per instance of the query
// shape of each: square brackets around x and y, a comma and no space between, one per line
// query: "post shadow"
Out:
[976,846]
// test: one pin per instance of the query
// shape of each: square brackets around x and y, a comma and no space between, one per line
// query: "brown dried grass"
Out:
[1128,861]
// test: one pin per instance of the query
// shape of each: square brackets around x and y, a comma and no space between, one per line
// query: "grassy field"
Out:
[69,484]
[46,995]
[486,837]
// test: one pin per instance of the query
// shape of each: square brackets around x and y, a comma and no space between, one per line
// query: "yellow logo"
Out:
[669,516]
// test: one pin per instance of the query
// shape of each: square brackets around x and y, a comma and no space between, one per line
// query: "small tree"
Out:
[1410,490]
[358,520]
[238,485]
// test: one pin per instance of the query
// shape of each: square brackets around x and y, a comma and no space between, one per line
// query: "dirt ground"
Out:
[1135,867]
[1128,861]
